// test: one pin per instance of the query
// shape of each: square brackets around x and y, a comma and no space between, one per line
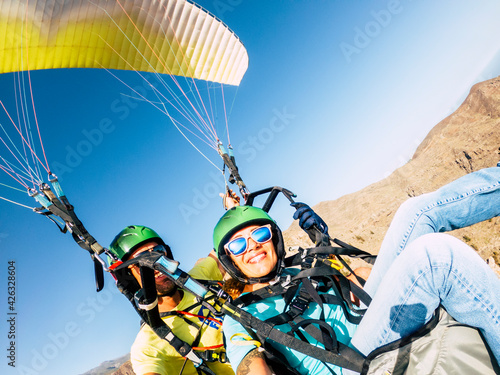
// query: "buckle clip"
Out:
[307,262]
[222,357]
[299,304]
[286,281]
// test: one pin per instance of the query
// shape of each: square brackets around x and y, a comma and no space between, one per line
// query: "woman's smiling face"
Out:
[259,259]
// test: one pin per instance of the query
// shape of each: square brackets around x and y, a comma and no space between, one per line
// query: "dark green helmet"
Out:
[131,238]
[237,218]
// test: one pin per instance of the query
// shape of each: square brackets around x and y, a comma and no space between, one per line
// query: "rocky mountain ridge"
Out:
[465,141]
[112,367]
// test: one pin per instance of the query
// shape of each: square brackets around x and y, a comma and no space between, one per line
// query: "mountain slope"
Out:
[465,141]
[111,367]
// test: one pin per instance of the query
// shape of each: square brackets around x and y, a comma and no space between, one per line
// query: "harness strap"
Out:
[296,307]
[329,339]
[276,355]
[344,357]
[213,356]
[344,249]
[158,325]
[184,349]
[329,344]
[263,293]
[230,162]
[346,285]
[60,206]
[296,322]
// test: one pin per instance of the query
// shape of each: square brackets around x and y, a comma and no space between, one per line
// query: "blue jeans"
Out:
[470,199]
[435,269]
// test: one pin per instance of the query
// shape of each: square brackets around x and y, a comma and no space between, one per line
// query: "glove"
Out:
[308,218]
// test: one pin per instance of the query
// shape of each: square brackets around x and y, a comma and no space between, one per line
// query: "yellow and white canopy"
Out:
[163,36]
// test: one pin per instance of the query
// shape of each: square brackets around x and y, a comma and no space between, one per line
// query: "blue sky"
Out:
[337,95]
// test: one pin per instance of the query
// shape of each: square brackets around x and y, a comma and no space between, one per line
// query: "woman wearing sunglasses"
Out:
[435,269]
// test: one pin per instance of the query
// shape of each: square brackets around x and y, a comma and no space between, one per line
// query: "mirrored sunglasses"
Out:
[240,245]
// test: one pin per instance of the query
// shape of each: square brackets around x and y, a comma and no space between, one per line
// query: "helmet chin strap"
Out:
[274,274]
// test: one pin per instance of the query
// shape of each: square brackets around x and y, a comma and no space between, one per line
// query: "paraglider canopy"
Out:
[161,36]
[168,38]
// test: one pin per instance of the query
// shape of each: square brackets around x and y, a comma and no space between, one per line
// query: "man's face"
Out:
[259,259]
[164,285]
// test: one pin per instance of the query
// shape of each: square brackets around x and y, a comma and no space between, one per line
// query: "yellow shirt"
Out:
[149,353]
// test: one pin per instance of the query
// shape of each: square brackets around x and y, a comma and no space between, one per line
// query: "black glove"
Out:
[308,218]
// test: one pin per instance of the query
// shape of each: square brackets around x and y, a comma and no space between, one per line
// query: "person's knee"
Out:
[439,247]
[428,245]
[416,211]
[437,241]
[413,205]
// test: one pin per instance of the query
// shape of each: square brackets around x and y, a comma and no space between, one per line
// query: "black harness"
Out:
[318,274]
[145,302]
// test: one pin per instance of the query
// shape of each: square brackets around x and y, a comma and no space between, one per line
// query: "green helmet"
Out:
[235,219]
[131,238]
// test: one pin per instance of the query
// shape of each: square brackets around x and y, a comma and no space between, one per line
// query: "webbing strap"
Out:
[158,325]
[328,337]
[263,293]
[328,340]
[345,357]
[184,349]
[347,286]
[344,249]
[230,162]
[293,316]
[62,208]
